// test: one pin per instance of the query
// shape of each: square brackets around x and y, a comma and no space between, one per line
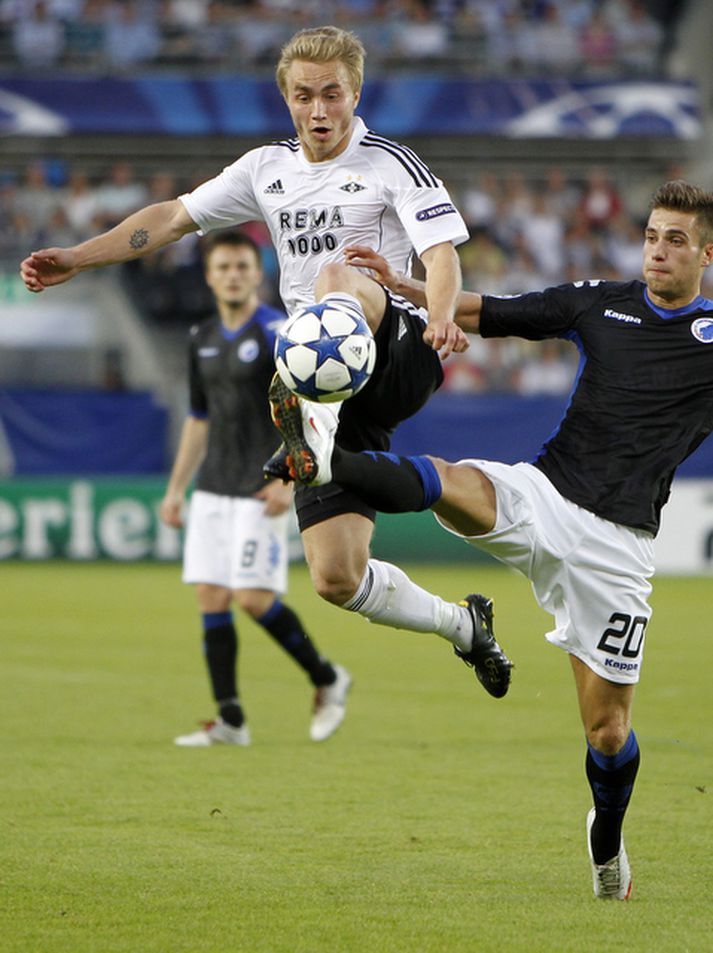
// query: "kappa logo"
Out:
[621,316]
[702,330]
[621,666]
[275,188]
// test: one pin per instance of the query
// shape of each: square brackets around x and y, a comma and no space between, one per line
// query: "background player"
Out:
[580,520]
[334,185]
[236,543]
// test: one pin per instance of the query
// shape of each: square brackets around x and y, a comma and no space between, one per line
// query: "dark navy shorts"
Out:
[407,372]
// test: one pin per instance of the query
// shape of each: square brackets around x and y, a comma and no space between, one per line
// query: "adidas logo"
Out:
[275,188]
[403,330]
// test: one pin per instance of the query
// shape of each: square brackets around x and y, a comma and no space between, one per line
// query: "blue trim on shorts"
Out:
[213,620]
[615,761]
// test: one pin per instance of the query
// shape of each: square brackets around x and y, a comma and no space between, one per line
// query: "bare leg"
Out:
[605,708]
[337,552]
[370,294]
[612,763]
[213,598]
[467,502]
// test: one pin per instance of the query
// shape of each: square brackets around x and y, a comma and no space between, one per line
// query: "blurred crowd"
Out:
[526,234]
[494,37]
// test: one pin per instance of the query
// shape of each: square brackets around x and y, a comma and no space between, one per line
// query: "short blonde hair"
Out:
[320,45]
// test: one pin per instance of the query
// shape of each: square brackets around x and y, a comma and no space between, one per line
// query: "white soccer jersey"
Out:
[376,193]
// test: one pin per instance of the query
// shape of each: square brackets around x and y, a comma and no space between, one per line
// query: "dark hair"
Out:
[233,239]
[682,197]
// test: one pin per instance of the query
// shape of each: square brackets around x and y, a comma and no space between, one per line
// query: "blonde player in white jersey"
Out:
[335,185]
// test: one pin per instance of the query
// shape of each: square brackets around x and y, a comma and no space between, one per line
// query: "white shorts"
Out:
[590,574]
[230,542]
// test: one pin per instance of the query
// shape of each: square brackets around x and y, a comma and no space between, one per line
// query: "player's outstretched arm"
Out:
[467,312]
[140,233]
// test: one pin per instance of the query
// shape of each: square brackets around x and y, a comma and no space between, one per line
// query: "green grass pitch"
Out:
[436,819]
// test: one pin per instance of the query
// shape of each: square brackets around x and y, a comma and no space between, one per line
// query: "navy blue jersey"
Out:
[643,397]
[230,373]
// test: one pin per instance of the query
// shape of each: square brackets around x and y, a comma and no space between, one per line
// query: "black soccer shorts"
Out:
[407,372]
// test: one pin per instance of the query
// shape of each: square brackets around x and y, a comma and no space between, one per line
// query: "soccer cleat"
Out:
[277,467]
[216,732]
[491,665]
[330,706]
[307,430]
[612,880]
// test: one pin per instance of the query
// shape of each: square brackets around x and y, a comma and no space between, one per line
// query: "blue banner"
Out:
[82,432]
[91,433]
[402,106]
[502,427]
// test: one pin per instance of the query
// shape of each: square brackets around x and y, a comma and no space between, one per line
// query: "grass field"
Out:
[437,819]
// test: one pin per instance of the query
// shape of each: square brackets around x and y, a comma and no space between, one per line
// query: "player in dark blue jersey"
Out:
[236,542]
[580,519]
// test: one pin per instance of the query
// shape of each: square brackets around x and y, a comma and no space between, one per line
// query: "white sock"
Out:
[387,596]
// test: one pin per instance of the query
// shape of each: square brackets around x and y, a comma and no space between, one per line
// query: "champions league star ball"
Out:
[325,352]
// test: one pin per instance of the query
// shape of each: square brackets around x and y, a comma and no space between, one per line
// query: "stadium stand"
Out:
[590,37]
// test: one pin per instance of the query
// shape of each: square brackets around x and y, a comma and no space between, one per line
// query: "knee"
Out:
[335,585]
[255,602]
[608,735]
[449,473]
[333,277]
[213,598]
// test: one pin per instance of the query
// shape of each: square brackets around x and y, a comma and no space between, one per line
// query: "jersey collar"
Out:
[230,335]
[698,304]
[359,130]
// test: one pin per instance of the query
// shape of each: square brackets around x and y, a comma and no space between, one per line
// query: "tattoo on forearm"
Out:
[139,238]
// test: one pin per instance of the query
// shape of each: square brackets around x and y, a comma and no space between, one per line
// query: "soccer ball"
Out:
[325,352]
